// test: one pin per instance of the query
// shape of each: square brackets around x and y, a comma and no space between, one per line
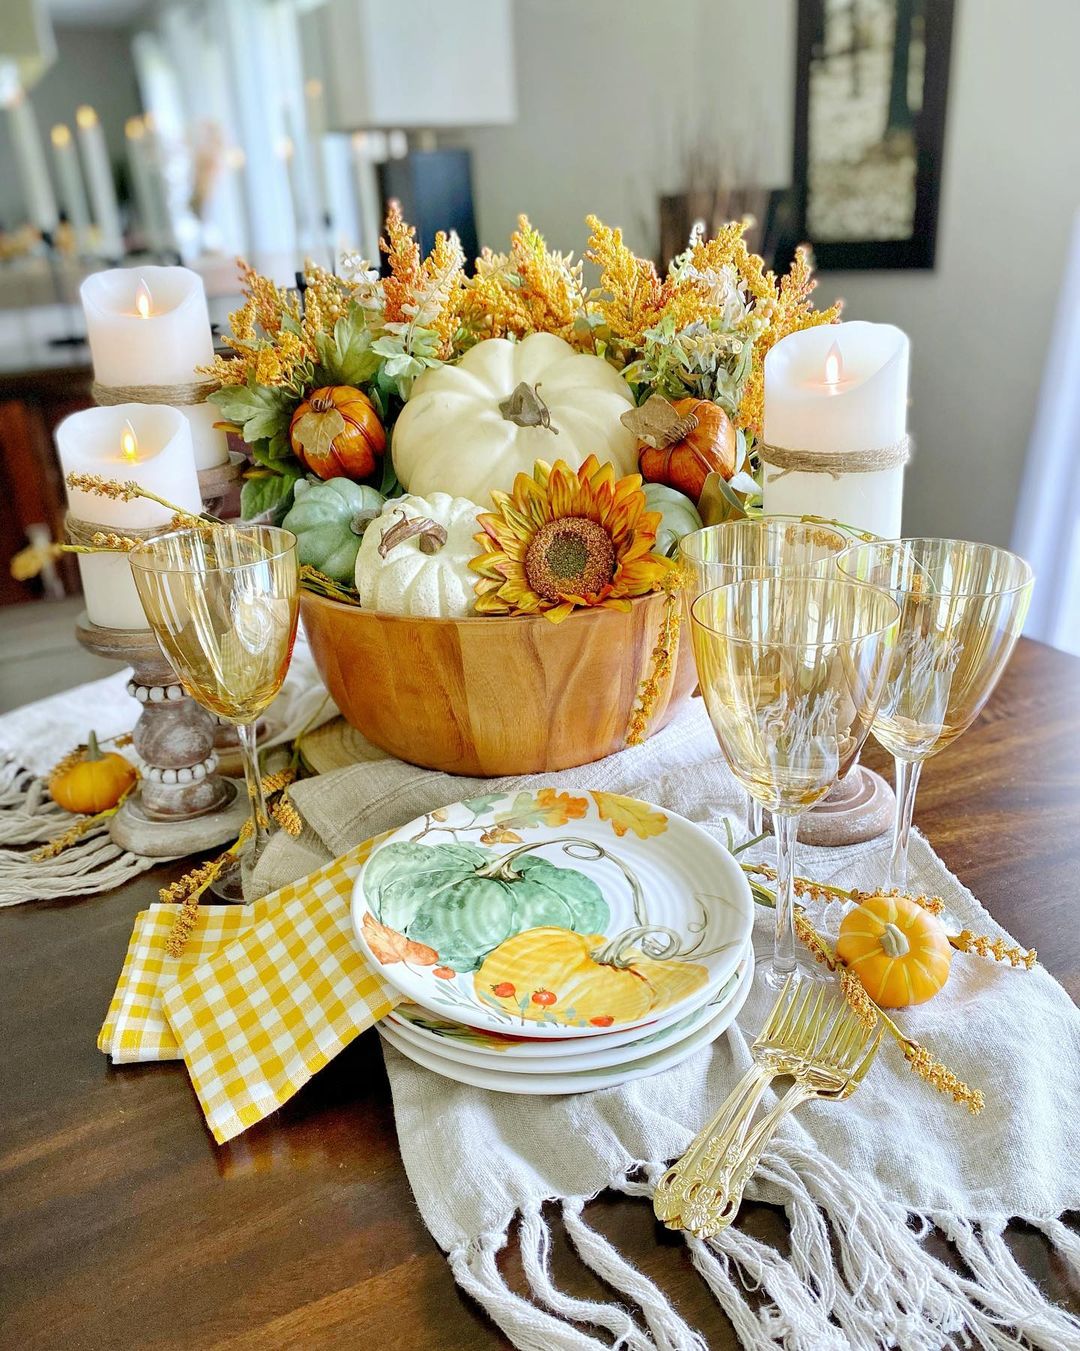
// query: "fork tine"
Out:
[776,1013]
[859,1072]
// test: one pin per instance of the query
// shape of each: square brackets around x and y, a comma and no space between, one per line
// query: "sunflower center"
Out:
[571,556]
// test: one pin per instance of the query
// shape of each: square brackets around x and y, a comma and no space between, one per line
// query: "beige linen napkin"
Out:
[862,1183]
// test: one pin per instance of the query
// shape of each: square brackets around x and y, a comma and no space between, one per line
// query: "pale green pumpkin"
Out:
[463,900]
[679,516]
[328,520]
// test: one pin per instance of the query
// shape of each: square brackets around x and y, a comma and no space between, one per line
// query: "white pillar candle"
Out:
[151,326]
[147,443]
[99,180]
[30,165]
[72,189]
[838,389]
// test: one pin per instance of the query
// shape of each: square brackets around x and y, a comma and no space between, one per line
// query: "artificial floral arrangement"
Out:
[508,442]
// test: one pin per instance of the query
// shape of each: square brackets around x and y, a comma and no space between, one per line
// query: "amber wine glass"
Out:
[223,603]
[962,607]
[740,550]
[792,668]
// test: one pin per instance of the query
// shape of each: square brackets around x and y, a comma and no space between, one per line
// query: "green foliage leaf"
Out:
[347,354]
[268,493]
[260,411]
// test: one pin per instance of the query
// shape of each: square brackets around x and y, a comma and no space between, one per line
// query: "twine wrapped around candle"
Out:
[177,396]
[833,462]
[83,532]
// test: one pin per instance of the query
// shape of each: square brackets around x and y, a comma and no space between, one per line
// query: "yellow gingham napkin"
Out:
[255,1011]
[135,1028]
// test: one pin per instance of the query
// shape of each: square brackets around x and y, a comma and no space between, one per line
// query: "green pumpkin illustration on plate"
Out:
[463,900]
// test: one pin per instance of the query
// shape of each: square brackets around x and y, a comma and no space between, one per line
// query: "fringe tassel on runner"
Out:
[858,1275]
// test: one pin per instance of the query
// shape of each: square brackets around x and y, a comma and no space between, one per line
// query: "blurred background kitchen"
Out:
[930,151]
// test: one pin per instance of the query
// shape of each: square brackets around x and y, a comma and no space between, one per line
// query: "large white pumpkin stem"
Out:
[527,408]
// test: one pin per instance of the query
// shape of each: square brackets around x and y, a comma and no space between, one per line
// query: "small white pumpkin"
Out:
[475,426]
[414,557]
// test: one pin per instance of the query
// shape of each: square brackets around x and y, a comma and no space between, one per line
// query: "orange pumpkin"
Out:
[93,784]
[547,973]
[899,951]
[700,441]
[336,433]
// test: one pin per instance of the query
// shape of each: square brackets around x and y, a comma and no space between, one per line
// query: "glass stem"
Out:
[786,830]
[907,783]
[248,738]
[755,817]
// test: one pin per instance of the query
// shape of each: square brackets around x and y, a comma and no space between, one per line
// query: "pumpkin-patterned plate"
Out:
[469,1046]
[553,914]
[635,1066]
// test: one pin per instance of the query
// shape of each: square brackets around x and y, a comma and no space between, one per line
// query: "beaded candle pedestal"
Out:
[183,805]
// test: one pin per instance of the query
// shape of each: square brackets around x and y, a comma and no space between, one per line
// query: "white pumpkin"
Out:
[414,557]
[475,426]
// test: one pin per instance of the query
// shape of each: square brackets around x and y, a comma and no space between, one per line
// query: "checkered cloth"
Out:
[262,997]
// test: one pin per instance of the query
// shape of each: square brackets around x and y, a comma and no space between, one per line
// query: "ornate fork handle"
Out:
[719,1140]
[716,1202]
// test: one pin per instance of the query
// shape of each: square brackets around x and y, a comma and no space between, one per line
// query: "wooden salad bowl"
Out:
[490,696]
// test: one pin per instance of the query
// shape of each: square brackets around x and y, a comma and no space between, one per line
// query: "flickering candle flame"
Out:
[834,366]
[285,148]
[313,89]
[60,134]
[144,301]
[235,158]
[129,443]
[85,116]
[135,128]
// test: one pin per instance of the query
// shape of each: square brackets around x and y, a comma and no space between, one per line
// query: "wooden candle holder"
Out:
[183,805]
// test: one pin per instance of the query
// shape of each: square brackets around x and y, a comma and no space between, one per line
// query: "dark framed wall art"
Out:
[871,89]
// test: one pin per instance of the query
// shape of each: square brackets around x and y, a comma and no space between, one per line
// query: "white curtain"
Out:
[1047,530]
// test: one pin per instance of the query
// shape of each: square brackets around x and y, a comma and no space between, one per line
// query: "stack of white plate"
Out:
[555,941]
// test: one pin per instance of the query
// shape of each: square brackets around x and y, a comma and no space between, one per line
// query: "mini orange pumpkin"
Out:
[683,442]
[336,433]
[899,951]
[93,784]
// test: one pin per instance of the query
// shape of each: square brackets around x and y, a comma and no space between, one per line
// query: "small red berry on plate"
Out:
[443,972]
[504,990]
[605,1020]
[544,998]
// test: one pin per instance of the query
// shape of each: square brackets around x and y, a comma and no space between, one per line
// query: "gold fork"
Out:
[779,1048]
[843,1052]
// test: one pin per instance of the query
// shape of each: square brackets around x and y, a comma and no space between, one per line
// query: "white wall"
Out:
[598,114]
[611,95]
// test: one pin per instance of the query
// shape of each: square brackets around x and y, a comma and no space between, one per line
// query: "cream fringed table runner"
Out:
[37,736]
[862,1183]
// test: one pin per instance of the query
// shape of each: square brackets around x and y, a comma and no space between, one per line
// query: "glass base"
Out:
[803,972]
[229,883]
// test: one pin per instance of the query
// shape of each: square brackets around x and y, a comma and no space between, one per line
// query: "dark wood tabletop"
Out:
[123,1225]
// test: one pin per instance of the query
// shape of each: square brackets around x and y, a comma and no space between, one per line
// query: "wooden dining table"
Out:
[123,1225]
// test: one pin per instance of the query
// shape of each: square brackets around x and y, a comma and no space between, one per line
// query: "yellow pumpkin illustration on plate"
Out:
[549,974]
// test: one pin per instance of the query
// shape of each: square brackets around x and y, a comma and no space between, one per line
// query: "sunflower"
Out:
[563,539]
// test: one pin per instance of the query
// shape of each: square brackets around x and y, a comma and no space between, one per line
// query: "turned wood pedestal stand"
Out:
[859,808]
[183,804]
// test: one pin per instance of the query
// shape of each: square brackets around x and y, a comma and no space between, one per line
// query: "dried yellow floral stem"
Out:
[286,815]
[997,948]
[661,659]
[803,886]
[105,539]
[30,562]
[274,783]
[80,827]
[918,1057]
[190,888]
[128,490]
